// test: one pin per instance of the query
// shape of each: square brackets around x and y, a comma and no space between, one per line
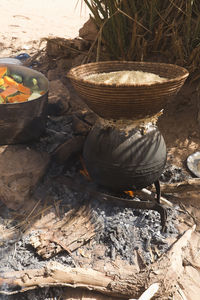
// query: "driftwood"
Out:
[165,271]
[192,184]
[76,228]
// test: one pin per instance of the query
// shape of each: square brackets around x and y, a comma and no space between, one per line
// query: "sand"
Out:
[24,22]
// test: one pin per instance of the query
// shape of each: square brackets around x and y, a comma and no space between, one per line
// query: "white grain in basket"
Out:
[125,77]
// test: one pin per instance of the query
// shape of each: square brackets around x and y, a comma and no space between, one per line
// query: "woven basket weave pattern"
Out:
[127,101]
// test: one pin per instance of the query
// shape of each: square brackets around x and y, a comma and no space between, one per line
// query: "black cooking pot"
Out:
[122,160]
[25,121]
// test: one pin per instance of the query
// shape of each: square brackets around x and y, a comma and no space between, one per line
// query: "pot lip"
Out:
[21,67]
[10,60]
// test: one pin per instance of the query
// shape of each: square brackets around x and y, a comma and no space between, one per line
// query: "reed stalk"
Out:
[161,30]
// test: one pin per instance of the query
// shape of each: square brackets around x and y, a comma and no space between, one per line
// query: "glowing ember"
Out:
[130,193]
[84,171]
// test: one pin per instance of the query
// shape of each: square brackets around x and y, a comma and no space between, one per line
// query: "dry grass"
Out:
[159,30]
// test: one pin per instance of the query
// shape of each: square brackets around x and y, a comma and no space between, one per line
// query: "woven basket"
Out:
[127,101]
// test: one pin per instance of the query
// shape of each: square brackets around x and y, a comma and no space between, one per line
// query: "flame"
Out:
[84,171]
[130,193]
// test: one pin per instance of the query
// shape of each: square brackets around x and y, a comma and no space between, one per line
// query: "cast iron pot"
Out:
[121,161]
[25,121]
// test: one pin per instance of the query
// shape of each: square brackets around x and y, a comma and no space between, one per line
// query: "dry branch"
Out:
[165,271]
[192,184]
[145,194]
[73,230]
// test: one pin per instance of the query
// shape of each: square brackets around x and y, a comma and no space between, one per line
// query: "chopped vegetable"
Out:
[3,71]
[9,91]
[17,78]
[9,81]
[23,89]
[35,86]
[34,95]
[13,90]
[34,80]
[1,100]
[18,98]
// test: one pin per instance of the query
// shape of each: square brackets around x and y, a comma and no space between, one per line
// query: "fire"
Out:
[84,171]
[130,193]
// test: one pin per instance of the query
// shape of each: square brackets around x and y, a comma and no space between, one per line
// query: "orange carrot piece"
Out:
[8,92]
[3,71]
[1,81]
[9,81]
[23,89]
[18,98]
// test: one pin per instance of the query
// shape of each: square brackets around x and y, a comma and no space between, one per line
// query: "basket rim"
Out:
[71,74]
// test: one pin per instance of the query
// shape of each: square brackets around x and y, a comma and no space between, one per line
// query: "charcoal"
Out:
[173,174]
[64,259]
[157,239]
[133,227]
[113,253]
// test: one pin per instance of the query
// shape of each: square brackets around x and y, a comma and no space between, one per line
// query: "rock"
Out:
[52,74]
[79,126]
[69,149]
[81,44]
[61,47]
[21,168]
[57,47]
[90,117]
[58,100]
[63,64]
[78,60]
[87,116]
[89,31]
[60,70]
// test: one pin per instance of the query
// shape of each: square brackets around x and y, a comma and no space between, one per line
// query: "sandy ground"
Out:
[24,22]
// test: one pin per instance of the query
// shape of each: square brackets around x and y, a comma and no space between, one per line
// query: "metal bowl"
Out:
[25,121]
[193,163]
